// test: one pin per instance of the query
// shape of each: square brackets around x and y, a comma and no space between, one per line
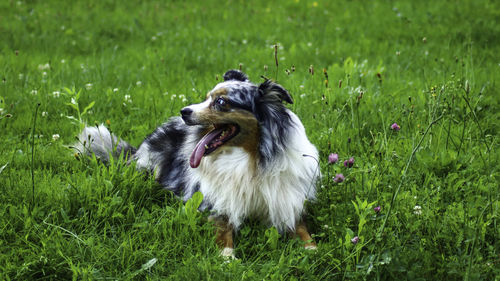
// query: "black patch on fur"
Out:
[235,75]
[275,122]
[168,139]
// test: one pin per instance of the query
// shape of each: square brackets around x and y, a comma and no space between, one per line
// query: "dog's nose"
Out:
[186,112]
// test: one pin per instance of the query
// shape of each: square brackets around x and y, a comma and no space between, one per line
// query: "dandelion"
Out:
[55,137]
[395,127]
[349,163]
[333,158]
[127,98]
[355,240]
[56,94]
[417,210]
[88,86]
[45,114]
[339,178]
[377,209]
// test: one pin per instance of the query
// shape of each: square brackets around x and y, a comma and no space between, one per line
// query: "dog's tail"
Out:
[100,141]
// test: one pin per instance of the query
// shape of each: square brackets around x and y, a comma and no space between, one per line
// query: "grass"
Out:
[353,68]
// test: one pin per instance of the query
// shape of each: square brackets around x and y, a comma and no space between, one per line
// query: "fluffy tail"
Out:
[99,141]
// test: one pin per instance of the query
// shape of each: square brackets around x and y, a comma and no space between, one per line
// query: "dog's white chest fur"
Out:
[237,188]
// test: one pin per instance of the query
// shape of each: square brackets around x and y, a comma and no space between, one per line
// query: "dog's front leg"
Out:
[224,235]
[301,231]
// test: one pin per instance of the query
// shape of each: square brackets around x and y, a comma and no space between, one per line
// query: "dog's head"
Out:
[240,113]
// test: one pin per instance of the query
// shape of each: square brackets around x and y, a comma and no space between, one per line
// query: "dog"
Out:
[242,148]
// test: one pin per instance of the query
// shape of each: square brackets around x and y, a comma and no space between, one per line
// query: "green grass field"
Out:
[353,68]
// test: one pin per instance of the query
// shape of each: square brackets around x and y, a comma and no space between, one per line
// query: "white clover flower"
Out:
[301,86]
[88,86]
[55,137]
[302,96]
[127,98]
[44,66]
[44,73]
[34,92]
[45,114]
[326,226]
[244,41]
[1,110]
[153,38]
[417,210]
[56,94]
[309,44]
[174,96]
[21,76]
[115,90]
[63,61]
[138,83]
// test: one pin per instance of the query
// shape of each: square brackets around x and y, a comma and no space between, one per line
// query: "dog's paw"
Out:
[228,254]
[311,247]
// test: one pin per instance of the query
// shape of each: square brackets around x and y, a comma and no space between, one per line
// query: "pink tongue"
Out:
[199,149]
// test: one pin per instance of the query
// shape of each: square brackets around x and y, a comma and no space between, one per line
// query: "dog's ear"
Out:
[234,74]
[272,90]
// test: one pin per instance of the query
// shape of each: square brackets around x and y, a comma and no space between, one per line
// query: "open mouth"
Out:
[214,139]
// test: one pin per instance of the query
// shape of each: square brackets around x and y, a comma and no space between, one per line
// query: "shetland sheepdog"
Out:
[242,148]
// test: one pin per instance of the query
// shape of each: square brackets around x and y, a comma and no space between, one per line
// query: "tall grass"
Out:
[418,202]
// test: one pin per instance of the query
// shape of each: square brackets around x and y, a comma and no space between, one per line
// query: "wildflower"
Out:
[355,240]
[34,92]
[88,86]
[44,73]
[56,94]
[173,97]
[333,158]
[339,178]
[349,163]
[326,226]
[377,209]
[127,98]
[55,137]
[244,41]
[302,96]
[138,83]
[63,61]
[395,127]
[417,210]
[21,76]
[1,110]
[45,114]
[398,53]
[115,90]
[44,66]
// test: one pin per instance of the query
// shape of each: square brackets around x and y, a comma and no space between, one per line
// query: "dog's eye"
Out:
[221,102]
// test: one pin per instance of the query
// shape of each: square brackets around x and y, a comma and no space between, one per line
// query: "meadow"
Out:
[408,89]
